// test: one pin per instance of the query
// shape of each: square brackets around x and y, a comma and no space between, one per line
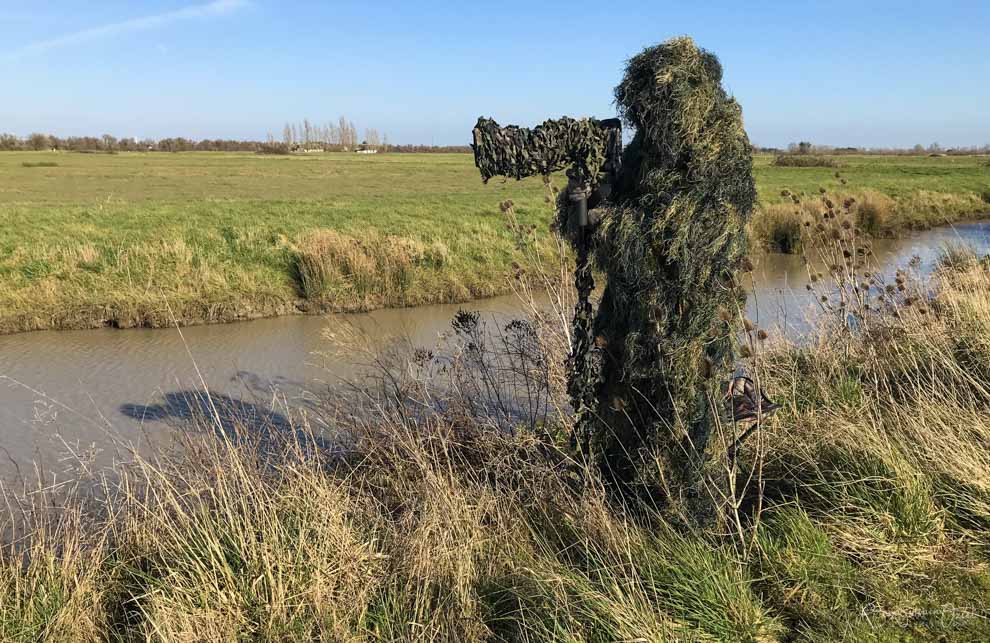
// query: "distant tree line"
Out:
[808,148]
[341,136]
[39,142]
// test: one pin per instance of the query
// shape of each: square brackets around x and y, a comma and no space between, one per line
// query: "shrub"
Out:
[273,148]
[874,212]
[39,164]
[804,160]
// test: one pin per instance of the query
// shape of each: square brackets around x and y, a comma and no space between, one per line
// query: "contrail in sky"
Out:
[215,8]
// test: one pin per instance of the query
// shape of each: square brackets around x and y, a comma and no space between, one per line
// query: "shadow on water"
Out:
[231,418]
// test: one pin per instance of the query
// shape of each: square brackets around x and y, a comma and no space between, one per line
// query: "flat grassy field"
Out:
[133,239]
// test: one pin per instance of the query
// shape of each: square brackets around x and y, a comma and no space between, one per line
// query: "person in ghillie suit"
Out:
[667,233]
[670,244]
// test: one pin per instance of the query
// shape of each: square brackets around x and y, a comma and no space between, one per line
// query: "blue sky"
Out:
[839,73]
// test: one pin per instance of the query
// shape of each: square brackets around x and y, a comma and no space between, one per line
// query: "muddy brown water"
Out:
[78,395]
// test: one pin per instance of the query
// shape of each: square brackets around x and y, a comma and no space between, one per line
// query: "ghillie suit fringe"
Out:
[670,247]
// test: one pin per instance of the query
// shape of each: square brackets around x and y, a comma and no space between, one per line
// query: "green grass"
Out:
[101,239]
[107,239]
[891,193]
[899,177]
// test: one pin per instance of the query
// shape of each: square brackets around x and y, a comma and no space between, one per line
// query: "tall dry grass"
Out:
[440,500]
[375,270]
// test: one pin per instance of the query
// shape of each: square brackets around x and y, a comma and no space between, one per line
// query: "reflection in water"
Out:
[68,390]
[779,298]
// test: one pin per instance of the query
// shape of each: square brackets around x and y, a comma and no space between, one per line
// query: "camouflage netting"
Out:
[591,151]
[669,242]
[669,248]
[579,146]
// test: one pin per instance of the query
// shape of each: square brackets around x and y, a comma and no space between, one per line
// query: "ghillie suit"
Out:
[644,375]
[670,248]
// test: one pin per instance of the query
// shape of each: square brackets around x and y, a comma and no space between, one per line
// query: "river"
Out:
[67,396]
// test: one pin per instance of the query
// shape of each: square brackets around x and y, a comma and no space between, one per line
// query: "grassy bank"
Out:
[92,239]
[867,514]
[106,240]
[891,194]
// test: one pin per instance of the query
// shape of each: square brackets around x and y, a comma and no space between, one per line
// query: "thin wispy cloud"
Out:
[144,23]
